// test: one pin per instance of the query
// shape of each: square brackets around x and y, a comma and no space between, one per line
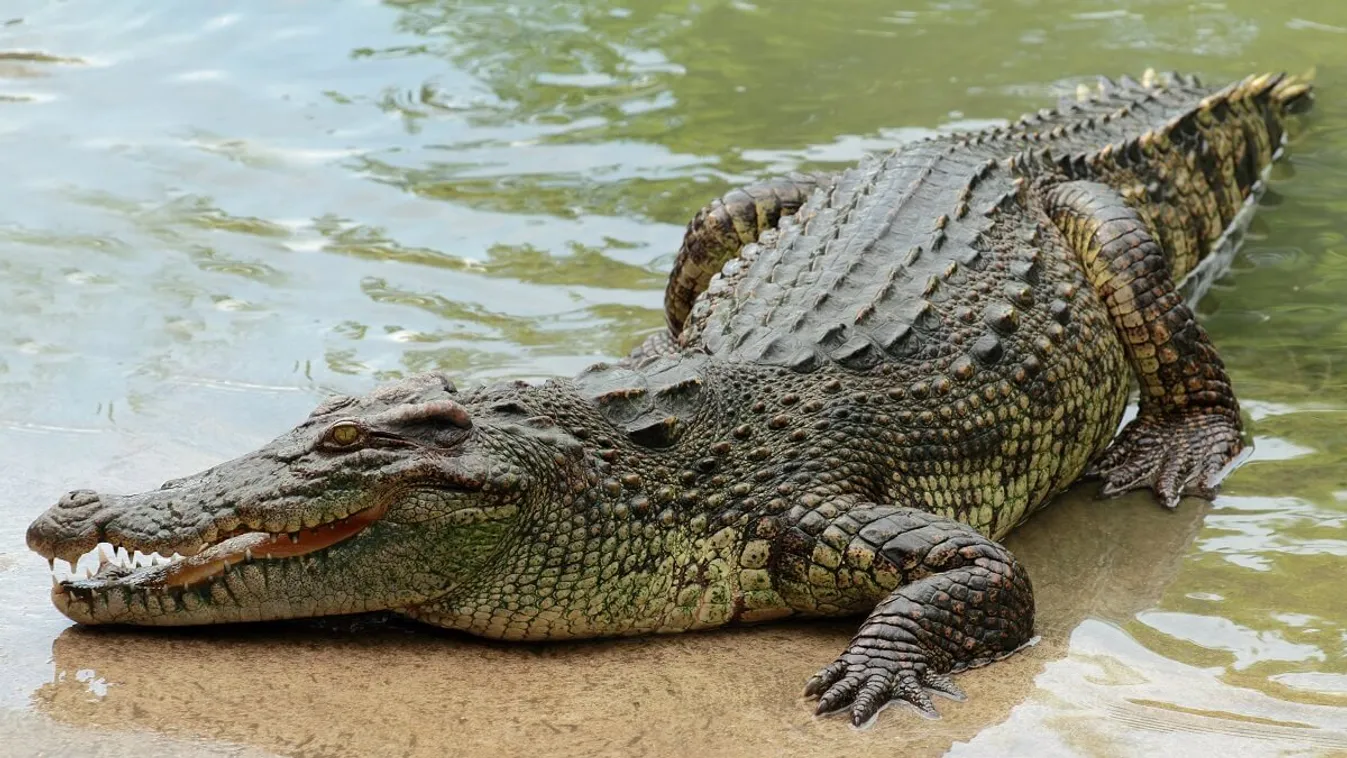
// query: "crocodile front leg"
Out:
[720,229]
[948,599]
[1188,424]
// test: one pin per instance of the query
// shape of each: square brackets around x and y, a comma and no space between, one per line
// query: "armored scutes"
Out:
[869,378]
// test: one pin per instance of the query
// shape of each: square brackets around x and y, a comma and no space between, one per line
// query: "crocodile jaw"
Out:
[227,570]
[173,590]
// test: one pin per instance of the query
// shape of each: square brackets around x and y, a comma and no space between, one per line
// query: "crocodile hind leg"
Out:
[715,236]
[719,230]
[1188,425]
[944,598]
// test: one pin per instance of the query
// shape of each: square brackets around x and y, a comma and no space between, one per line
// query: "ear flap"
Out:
[331,404]
[434,412]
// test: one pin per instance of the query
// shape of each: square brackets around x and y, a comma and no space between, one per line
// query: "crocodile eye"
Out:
[343,434]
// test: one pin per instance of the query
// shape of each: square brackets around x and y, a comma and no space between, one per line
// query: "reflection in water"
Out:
[213,215]
[1111,696]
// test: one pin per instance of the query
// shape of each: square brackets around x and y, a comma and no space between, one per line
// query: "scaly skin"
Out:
[725,225]
[884,380]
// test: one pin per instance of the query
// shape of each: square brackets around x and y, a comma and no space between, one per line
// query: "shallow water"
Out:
[215,213]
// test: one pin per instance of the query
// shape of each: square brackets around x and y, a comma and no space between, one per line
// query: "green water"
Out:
[214,213]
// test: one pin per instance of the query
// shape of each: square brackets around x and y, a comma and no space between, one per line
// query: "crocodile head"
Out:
[380,502]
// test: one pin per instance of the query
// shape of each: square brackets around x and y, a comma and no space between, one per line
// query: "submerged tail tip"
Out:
[1289,93]
[1293,94]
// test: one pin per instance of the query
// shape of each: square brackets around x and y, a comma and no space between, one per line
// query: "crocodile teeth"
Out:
[107,564]
[102,557]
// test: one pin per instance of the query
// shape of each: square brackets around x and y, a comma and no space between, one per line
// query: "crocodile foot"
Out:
[1174,455]
[874,672]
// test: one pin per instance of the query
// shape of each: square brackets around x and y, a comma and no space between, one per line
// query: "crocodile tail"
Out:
[1293,94]
[1193,174]
[1281,96]
[1211,161]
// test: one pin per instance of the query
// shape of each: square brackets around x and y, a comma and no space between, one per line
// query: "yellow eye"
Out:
[344,433]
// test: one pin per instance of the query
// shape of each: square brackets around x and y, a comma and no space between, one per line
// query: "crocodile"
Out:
[869,378]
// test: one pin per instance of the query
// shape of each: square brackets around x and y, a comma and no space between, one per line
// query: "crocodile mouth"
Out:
[123,565]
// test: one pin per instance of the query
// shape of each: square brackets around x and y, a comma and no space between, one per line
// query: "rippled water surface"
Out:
[214,213]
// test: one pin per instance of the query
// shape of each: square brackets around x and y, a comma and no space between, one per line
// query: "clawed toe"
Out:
[945,687]
[910,691]
[839,696]
[825,679]
[873,696]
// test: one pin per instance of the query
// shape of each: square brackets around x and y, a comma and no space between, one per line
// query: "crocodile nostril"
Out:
[77,498]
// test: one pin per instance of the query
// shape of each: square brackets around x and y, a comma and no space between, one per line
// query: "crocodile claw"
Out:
[866,684]
[1173,455]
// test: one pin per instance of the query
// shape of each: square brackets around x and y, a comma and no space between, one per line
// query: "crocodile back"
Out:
[903,257]
[856,276]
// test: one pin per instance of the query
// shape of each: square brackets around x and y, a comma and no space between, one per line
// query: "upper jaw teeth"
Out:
[199,560]
[120,557]
[107,558]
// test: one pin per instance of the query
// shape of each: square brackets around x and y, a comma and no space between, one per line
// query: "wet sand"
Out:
[28,735]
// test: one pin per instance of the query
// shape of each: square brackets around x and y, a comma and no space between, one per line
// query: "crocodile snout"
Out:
[70,528]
